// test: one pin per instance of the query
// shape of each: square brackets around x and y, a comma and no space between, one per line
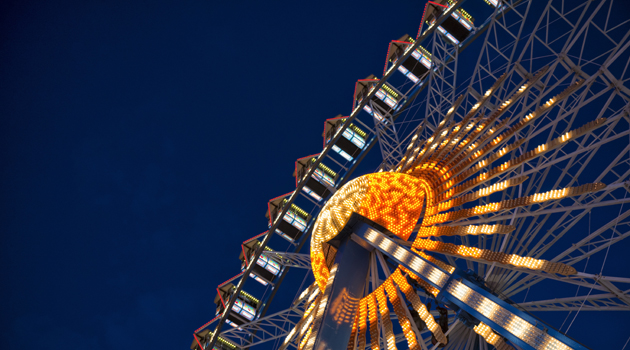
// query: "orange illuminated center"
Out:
[393,200]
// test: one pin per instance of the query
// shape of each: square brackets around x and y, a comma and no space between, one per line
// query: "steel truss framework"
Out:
[302,261]
[516,41]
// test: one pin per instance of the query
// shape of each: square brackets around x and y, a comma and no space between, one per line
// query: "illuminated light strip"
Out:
[394,201]
[460,151]
[309,318]
[326,169]
[198,342]
[420,308]
[456,139]
[321,309]
[441,264]
[425,269]
[299,210]
[306,291]
[421,282]
[488,255]
[429,174]
[357,130]
[390,91]
[466,158]
[352,343]
[499,186]
[313,295]
[505,319]
[289,336]
[207,324]
[557,142]
[439,134]
[496,155]
[230,280]
[220,339]
[388,328]
[432,148]
[444,145]
[305,338]
[472,113]
[249,296]
[512,203]
[536,152]
[436,231]
[425,146]
[253,238]
[373,317]
[490,337]
[362,323]
[303,325]
[410,335]
[332,218]
[469,151]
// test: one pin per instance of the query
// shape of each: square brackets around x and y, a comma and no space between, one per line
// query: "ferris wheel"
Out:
[500,181]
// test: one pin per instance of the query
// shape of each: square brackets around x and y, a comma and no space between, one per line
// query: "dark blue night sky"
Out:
[140,143]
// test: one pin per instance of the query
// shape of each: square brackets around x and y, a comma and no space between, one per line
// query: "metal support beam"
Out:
[298,260]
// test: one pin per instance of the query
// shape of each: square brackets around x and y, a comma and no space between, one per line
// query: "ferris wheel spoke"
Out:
[566,224]
[554,158]
[594,146]
[467,166]
[591,283]
[532,273]
[593,302]
[587,242]
[527,280]
[546,123]
[584,27]
[452,258]
[530,40]
[602,242]
[466,340]
[602,283]
[506,215]
[373,273]
[567,221]
[491,44]
[545,39]
[456,329]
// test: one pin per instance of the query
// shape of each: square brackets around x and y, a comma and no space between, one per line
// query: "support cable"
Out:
[603,263]
[585,266]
